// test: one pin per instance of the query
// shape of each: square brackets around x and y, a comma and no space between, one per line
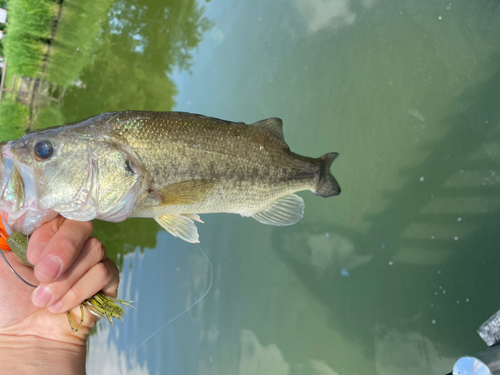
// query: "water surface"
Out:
[394,275]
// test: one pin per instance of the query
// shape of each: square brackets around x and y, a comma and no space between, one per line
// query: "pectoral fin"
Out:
[181,226]
[187,192]
[285,211]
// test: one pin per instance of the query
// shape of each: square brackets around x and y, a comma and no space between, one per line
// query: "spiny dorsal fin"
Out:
[187,192]
[273,125]
[285,211]
[180,226]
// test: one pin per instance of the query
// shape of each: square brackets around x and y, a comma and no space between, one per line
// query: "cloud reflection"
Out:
[107,359]
[322,368]
[325,14]
[328,14]
[259,359]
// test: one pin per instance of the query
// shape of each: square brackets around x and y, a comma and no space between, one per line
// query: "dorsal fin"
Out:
[273,125]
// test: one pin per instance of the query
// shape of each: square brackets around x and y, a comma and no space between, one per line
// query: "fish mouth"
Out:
[11,167]
[17,190]
[6,159]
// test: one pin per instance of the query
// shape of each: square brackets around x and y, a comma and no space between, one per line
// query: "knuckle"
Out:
[32,258]
[113,272]
[97,250]
[101,272]
[67,244]
[78,293]
[89,227]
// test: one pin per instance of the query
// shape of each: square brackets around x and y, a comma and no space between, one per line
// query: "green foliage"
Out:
[13,119]
[135,54]
[31,17]
[165,32]
[144,41]
[77,29]
[29,24]
[50,116]
[143,90]
[124,237]
[24,55]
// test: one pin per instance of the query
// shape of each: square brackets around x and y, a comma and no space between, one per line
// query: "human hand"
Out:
[70,266]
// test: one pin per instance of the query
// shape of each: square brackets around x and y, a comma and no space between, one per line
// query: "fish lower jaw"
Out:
[6,151]
[5,167]
[26,221]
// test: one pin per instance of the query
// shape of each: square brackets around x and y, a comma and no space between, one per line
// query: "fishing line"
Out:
[12,269]
[15,273]
[190,307]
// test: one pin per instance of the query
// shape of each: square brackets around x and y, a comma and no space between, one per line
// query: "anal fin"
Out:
[181,226]
[287,210]
[194,217]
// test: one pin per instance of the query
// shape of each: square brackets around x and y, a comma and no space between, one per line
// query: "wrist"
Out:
[35,355]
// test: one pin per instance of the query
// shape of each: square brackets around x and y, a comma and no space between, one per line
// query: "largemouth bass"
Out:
[170,166]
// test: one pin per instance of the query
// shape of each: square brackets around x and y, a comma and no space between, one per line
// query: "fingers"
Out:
[103,276]
[56,246]
[70,265]
[41,237]
[90,272]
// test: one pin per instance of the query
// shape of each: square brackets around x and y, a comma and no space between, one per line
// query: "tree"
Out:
[138,49]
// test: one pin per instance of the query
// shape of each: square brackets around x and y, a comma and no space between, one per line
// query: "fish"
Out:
[170,166]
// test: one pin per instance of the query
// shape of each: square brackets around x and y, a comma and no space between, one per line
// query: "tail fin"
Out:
[327,185]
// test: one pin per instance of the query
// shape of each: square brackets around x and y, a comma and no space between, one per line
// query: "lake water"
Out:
[394,275]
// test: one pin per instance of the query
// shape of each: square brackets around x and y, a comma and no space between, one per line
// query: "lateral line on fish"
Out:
[190,307]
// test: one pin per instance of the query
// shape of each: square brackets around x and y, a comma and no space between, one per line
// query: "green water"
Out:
[394,275]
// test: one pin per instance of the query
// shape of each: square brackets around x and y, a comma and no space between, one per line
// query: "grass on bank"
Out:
[28,29]
[79,25]
[13,119]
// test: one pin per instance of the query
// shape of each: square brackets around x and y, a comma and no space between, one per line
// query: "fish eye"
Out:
[44,149]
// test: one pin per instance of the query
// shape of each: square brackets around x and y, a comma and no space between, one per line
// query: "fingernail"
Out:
[56,308]
[42,296]
[49,267]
